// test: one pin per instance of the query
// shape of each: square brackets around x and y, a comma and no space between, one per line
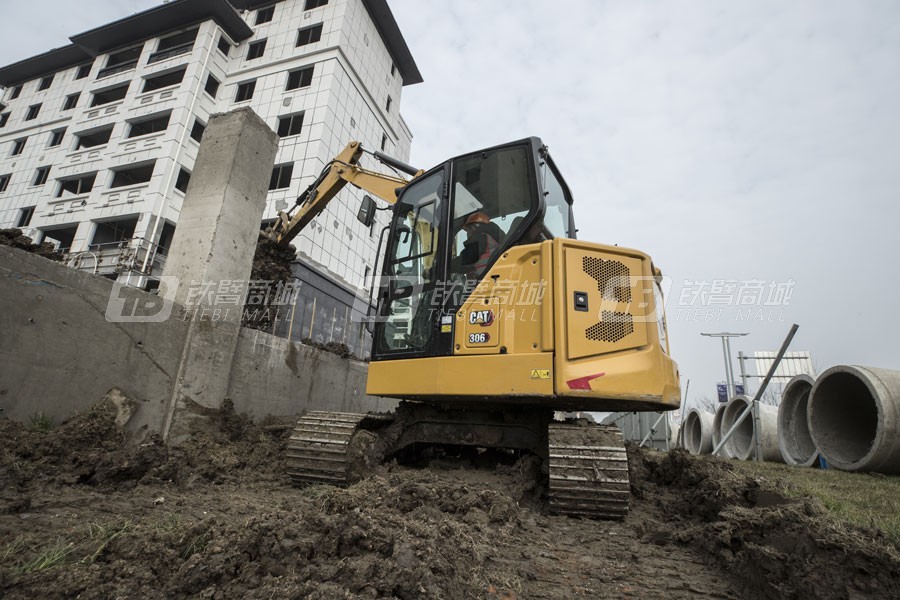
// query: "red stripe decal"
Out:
[583,383]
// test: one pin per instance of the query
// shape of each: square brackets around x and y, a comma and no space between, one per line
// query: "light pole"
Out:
[726,350]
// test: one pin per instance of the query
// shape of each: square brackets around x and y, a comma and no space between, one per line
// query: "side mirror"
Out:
[366,213]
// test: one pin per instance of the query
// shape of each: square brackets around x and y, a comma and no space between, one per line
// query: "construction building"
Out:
[98,138]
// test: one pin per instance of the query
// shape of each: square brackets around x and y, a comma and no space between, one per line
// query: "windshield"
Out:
[492,195]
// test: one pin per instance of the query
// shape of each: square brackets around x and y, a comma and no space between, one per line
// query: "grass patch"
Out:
[40,421]
[868,500]
[48,556]
[103,535]
[197,544]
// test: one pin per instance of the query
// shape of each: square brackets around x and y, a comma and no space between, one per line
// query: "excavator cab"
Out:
[485,293]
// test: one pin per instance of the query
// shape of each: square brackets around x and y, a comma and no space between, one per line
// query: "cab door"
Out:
[408,312]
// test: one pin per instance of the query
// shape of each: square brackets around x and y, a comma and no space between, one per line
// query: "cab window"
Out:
[492,196]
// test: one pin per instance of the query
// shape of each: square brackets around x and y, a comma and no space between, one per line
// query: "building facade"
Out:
[98,139]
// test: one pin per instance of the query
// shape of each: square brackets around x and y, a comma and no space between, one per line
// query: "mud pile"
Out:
[772,546]
[83,511]
[271,268]
[16,239]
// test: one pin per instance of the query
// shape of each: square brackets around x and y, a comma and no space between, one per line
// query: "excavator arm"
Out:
[343,169]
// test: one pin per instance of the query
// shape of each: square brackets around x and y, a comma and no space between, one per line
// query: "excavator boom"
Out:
[343,169]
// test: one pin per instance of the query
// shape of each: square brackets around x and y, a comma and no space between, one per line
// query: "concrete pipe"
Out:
[854,418]
[717,430]
[797,447]
[698,432]
[741,442]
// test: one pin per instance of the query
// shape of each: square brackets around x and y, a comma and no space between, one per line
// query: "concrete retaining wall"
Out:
[272,376]
[59,353]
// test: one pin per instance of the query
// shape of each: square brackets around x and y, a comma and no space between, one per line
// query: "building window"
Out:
[45,84]
[256,49]
[33,111]
[383,142]
[18,146]
[3,119]
[264,15]
[111,95]
[309,35]
[75,186]
[197,130]
[149,125]
[92,139]
[71,101]
[224,46]
[245,91]
[16,91]
[311,4]
[165,237]
[61,237]
[212,85]
[181,183]
[281,176]
[299,79]
[132,175]
[56,137]
[387,105]
[25,215]
[113,233]
[40,176]
[165,80]
[4,181]
[83,71]
[290,125]
[173,45]
[121,61]
[393,69]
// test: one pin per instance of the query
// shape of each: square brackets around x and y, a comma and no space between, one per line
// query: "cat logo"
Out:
[481,317]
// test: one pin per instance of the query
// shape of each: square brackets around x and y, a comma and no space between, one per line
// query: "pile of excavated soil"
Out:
[17,239]
[86,513]
[272,265]
[774,546]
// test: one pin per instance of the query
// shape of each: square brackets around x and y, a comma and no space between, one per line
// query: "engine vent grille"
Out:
[614,327]
[613,280]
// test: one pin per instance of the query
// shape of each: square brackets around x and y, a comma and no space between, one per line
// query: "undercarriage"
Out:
[585,467]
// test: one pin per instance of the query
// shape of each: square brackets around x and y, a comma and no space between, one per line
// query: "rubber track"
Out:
[588,471]
[318,447]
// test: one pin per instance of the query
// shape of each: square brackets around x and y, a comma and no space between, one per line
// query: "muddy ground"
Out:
[84,513]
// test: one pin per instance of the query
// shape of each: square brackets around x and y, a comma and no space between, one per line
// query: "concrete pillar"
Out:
[214,241]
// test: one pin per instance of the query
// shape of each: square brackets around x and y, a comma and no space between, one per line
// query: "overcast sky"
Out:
[743,141]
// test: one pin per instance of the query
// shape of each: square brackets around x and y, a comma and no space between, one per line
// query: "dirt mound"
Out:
[215,517]
[93,449]
[773,546]
[16,239]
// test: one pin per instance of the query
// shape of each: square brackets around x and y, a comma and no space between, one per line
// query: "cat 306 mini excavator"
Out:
[489,317]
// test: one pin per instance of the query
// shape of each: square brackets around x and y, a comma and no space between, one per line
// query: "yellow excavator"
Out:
[490,318]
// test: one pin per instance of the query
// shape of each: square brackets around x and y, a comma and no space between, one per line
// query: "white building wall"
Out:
[352,78]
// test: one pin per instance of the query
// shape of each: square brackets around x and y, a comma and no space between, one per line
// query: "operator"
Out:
[483,238]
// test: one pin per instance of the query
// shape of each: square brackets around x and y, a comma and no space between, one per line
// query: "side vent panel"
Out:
[616,295]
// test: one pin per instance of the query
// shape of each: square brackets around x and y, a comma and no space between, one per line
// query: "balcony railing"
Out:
[120,257]
[174,51]
[120,68]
